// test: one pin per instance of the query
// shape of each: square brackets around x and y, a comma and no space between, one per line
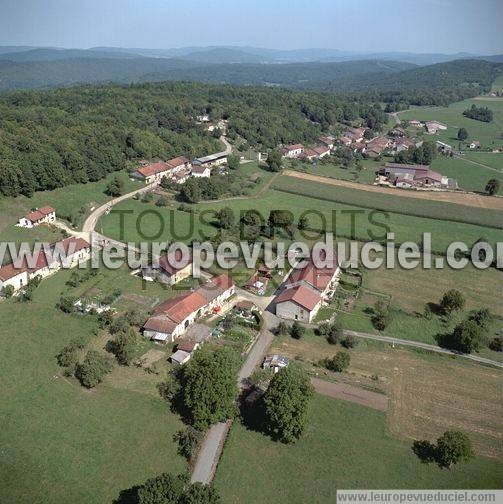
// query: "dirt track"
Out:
[459,198]
[350,393]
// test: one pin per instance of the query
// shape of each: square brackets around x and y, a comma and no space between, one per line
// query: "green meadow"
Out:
[64,443]
[489,134]
[345,446]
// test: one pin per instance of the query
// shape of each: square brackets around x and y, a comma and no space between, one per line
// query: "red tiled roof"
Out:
[301,295]
[319,278]
[294,147]
[199,169]
[160,324]
[72,244]
[187,345]
[310,152]
[153,169]
[179,308]
[321,149]
[223,281]
[175,162]
[46,210]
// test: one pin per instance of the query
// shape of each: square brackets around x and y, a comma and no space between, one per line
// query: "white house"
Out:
[43,215]
[67,253]
[306,289]
[292,151]
[171,318]
[154,172]
[201,171]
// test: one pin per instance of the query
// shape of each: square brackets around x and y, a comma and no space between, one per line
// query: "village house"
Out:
[309,154]
[169,271]
[321,151]
[306,290]
[415,123]
[275,362]
[402,144]
[292,151]
[153,173]
[433,126]
[328,141]
[475,145]
[179,164]
[171,318]
[200,171]
[66,253]
[345,140]
[443,147]
[356,134]
[377,146]
[43,215]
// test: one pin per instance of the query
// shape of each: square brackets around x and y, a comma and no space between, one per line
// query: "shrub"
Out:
[452,301]
[349,341]
[296,330]
[339,362]
[66,304]
[93,369]
[8,291]
[335,332]
[381,316]
[188,440]
[496,344]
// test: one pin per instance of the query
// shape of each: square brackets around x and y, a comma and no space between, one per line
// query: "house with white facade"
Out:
[43,215]
[306,289]
[201,171]
[66,253]
[171,318]
[292,151]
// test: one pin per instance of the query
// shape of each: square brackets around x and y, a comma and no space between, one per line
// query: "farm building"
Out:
[212,160]
[409,176]
[43,215]
[171,318]
[275,362]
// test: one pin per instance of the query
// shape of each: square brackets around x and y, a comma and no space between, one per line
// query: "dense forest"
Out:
[52,138]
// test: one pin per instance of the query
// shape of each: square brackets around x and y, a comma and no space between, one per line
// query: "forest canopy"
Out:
[52,138]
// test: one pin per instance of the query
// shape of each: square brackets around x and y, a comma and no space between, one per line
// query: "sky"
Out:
[447,26]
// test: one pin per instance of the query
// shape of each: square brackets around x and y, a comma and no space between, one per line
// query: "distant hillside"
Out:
[14,75]
[47,54]
[224,55]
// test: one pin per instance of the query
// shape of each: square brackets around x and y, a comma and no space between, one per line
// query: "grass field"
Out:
[184,226]
[427,392]
[471,177]
[492,159]
[340,449]
[399,204]
[365,176]
[489,134]
[67,201]
[60,442]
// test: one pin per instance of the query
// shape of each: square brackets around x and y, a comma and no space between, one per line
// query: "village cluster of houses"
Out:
[410,176]
[325,146]
[68,253]
[179,169]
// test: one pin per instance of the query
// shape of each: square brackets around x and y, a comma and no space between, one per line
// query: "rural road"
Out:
[212,446]
[424,346]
